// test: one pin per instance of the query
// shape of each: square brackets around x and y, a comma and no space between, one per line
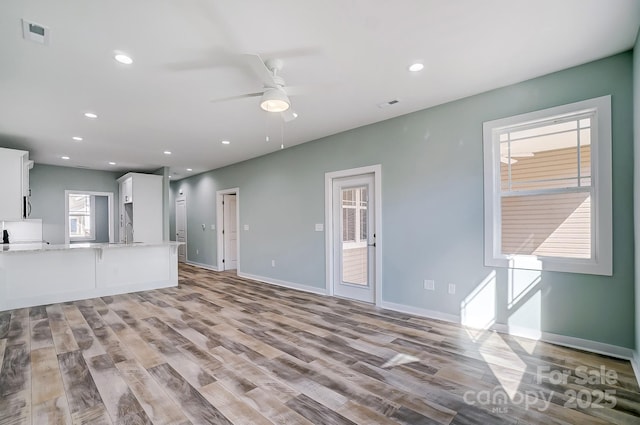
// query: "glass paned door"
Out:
[354,235]
[354,238]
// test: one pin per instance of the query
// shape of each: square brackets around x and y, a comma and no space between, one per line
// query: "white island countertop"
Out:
[39,273]
[41,246]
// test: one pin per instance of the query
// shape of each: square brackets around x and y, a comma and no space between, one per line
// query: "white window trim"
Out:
[601,262]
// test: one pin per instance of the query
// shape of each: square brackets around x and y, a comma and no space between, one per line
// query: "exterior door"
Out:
[354,237]
[181,228]
[230,232]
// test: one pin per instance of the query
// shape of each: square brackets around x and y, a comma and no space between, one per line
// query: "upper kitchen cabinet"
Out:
[126,189]
[14,184]
[140,207]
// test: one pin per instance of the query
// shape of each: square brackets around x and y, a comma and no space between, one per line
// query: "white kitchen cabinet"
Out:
[127,190]
[14,184]
[140,207]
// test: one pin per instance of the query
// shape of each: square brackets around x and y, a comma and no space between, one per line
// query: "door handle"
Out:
[371,244]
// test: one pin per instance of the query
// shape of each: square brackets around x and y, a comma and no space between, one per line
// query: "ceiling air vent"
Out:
[35,32]
[387,104]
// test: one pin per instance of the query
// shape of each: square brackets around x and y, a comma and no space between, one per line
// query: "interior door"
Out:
[354,237]
[181,228]
[230,232]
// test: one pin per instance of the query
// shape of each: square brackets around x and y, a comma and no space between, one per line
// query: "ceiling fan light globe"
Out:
[275,100]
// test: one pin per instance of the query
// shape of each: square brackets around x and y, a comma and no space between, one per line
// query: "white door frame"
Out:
[220,225]
[182,197]
[376,170]
[109,195]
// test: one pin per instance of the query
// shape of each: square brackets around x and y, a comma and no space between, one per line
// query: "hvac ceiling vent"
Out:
[387,104]
[35,32]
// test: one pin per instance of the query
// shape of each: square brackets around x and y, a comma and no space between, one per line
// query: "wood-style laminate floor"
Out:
[219,349]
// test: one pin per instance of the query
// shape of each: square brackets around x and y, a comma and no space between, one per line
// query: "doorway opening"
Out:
[181,227]
[353,234]
[227,219]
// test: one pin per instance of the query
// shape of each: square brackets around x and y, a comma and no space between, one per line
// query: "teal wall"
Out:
[636,116]
[102,218]
[48,184]
[164,172]
[432,208]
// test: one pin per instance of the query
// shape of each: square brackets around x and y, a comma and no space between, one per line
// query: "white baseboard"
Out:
[517,331]
[430,314]
[202,265]
[284,283]
[568,341]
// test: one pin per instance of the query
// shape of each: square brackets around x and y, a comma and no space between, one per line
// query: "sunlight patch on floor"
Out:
[505,364]
[400,359]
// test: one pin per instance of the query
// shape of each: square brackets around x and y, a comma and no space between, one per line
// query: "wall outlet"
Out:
[452,288]
[213,227]
[246,227]
[429,285]
[273,263]
[319,227]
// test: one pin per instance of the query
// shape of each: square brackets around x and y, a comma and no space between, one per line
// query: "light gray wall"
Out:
[48,184]
[636,115]
[164,172]
[432,208]
[102,218]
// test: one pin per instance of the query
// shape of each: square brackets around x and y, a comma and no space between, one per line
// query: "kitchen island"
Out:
[37,273]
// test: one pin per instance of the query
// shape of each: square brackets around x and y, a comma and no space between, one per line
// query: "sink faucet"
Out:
[126,234]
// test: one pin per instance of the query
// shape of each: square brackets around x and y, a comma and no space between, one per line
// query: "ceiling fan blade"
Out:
[289,115]
[241,96]
[260,69]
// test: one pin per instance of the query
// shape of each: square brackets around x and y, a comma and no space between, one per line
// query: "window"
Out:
[354,217]
[548,189]
[81,216]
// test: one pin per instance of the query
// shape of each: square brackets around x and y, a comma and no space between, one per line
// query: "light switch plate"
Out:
[213,227]
[319,227]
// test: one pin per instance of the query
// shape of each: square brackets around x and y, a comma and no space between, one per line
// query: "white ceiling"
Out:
[352,54]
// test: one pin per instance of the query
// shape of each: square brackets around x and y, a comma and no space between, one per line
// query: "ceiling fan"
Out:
[275,95]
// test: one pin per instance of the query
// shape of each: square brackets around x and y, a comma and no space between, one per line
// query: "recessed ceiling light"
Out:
[65,157]
[189,169]
[90,115]
[123,59]
[169,176]
[167,152]
[295,115]
[225,142]
[416,67]
[112,163]
[77,138]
